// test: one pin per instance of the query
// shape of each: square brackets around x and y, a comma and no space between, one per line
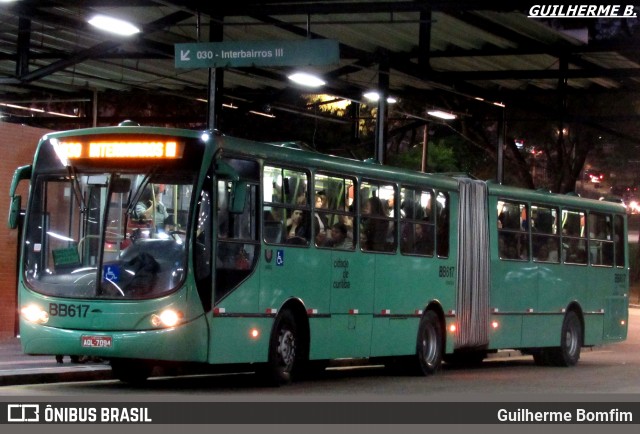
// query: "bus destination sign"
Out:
[106,149]
[308,52]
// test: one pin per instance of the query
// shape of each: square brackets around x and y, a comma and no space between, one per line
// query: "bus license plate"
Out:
[96,341]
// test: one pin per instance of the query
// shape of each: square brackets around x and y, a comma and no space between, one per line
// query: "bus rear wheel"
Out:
[429,347]
[284,347]
[568,353]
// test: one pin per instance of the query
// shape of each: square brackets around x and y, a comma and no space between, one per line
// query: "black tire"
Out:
[568,353]
[284,347]
[131,371]
[430,344]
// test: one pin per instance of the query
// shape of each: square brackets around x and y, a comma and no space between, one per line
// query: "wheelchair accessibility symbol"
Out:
[111,273]
[279,258]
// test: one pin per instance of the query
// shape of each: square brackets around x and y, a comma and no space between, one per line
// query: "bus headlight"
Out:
[166,318]
[34,313]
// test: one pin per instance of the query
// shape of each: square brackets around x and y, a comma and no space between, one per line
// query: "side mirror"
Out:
[238,188]
[22,172]
[14,211]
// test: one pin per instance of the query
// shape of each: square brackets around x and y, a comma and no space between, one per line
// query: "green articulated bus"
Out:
[148,246]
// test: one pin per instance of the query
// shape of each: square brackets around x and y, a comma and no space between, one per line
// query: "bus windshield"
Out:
[108,235]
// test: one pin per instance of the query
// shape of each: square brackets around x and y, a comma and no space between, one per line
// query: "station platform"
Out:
[18,368]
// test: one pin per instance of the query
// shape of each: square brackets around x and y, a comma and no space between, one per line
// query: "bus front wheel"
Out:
[429,348]
[284,347]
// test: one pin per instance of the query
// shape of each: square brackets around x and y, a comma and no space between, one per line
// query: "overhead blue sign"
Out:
[308,52]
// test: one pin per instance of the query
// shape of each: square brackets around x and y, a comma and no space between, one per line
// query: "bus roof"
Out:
[305,157]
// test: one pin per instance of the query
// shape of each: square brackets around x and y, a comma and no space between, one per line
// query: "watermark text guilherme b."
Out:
[582,11]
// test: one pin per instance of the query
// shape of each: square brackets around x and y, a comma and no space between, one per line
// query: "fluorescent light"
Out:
[267,115]
[374,96]
[37,110]
[307,79]
[442,115]
[114,25]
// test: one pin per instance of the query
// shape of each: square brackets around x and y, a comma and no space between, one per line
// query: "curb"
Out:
[92,374]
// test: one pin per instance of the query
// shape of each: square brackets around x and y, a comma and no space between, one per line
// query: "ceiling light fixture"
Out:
[442,115]
[374,96]
[306,79]
[267,115]
[113,25]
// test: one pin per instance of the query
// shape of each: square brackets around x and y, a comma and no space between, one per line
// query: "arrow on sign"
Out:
[184,55]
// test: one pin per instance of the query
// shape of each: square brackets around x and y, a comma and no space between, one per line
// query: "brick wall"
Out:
[17,148]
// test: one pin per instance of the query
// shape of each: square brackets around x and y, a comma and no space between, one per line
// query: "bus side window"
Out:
[545,237]
[620,239]
[513,230]
[574,242]
[333,212]
[417,231]
[377,217]
[600,239]
[286,212]
[442,208]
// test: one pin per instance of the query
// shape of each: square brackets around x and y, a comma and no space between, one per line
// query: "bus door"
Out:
[554,289]
[348,286]
[514,280]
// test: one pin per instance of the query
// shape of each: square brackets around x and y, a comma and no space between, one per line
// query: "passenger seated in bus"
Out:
[375,229]
[339,238]
[423,243]
[320,223]
[542,254]
[575,253]
[297,231]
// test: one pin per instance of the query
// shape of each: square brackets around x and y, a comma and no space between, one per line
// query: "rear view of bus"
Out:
[104,259]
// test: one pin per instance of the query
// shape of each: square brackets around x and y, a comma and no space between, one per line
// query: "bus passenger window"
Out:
[442,224]
[286,213]
[333,212]
[620,239]
[545,237]
[513,231]
[377,224]
[574,242]
[417,228]
[600,239]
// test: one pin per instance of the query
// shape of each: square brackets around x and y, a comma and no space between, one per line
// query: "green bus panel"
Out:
[555,288]
[616,318]
[183,343]
[394,336]
[352,282]
[321,340]
[508,334]
[541,330]
[232,342]
[593,329]
[300,272]
[513,286]
[351,336]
